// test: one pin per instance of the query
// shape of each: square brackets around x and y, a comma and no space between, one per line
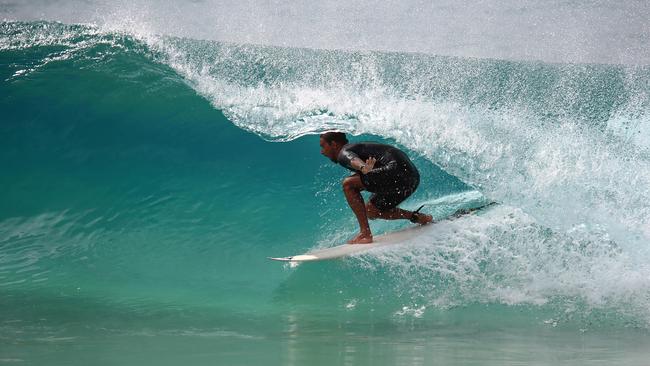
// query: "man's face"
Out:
[329,150]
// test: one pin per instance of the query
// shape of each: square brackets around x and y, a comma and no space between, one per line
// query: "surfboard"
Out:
[392,238]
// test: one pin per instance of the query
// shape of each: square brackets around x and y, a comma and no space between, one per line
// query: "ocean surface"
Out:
[146,177]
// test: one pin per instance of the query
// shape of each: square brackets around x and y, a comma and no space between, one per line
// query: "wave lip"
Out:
[537,136]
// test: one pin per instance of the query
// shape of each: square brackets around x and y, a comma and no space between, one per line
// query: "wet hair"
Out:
[334,136]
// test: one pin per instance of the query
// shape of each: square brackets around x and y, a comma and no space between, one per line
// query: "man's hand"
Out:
[369,165]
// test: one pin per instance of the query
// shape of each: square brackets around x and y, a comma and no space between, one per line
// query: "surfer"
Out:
[381,169]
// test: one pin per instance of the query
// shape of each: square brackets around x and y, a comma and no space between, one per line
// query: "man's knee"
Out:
[347,184]
[351,183]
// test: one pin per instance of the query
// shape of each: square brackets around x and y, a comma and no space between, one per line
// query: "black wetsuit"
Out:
[394,177]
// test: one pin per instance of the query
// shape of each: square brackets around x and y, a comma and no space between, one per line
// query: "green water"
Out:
[142,192]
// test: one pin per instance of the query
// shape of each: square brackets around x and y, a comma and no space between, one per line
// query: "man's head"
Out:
[331,143]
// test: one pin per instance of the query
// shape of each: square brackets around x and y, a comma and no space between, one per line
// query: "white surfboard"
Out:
[392,238]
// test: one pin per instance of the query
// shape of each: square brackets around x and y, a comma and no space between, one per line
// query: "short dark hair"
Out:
[331,136]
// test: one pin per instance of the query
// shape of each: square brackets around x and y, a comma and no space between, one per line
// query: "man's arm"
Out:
[386,167]
[352,161]
[363,167]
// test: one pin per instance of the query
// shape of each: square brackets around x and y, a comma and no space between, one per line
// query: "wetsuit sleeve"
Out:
[345,158]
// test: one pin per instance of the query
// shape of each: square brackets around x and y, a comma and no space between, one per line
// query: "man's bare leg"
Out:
[352,187]
[395,214]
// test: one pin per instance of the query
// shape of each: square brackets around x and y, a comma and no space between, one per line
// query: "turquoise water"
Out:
[146,179]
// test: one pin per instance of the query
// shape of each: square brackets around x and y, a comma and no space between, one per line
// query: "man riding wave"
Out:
[381,169]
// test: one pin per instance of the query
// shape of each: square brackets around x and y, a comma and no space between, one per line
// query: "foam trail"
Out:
[503,256]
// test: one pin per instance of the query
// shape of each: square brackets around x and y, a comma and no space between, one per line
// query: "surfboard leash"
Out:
[415,215]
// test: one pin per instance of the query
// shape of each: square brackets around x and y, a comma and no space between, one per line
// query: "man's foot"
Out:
[423,219]
[420,218]
[361,239]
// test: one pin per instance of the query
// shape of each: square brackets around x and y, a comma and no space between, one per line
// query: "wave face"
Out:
[153,175]
[570,136]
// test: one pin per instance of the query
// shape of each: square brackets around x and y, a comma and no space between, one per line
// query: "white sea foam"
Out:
[576,220]
[562,171]
[504,256]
